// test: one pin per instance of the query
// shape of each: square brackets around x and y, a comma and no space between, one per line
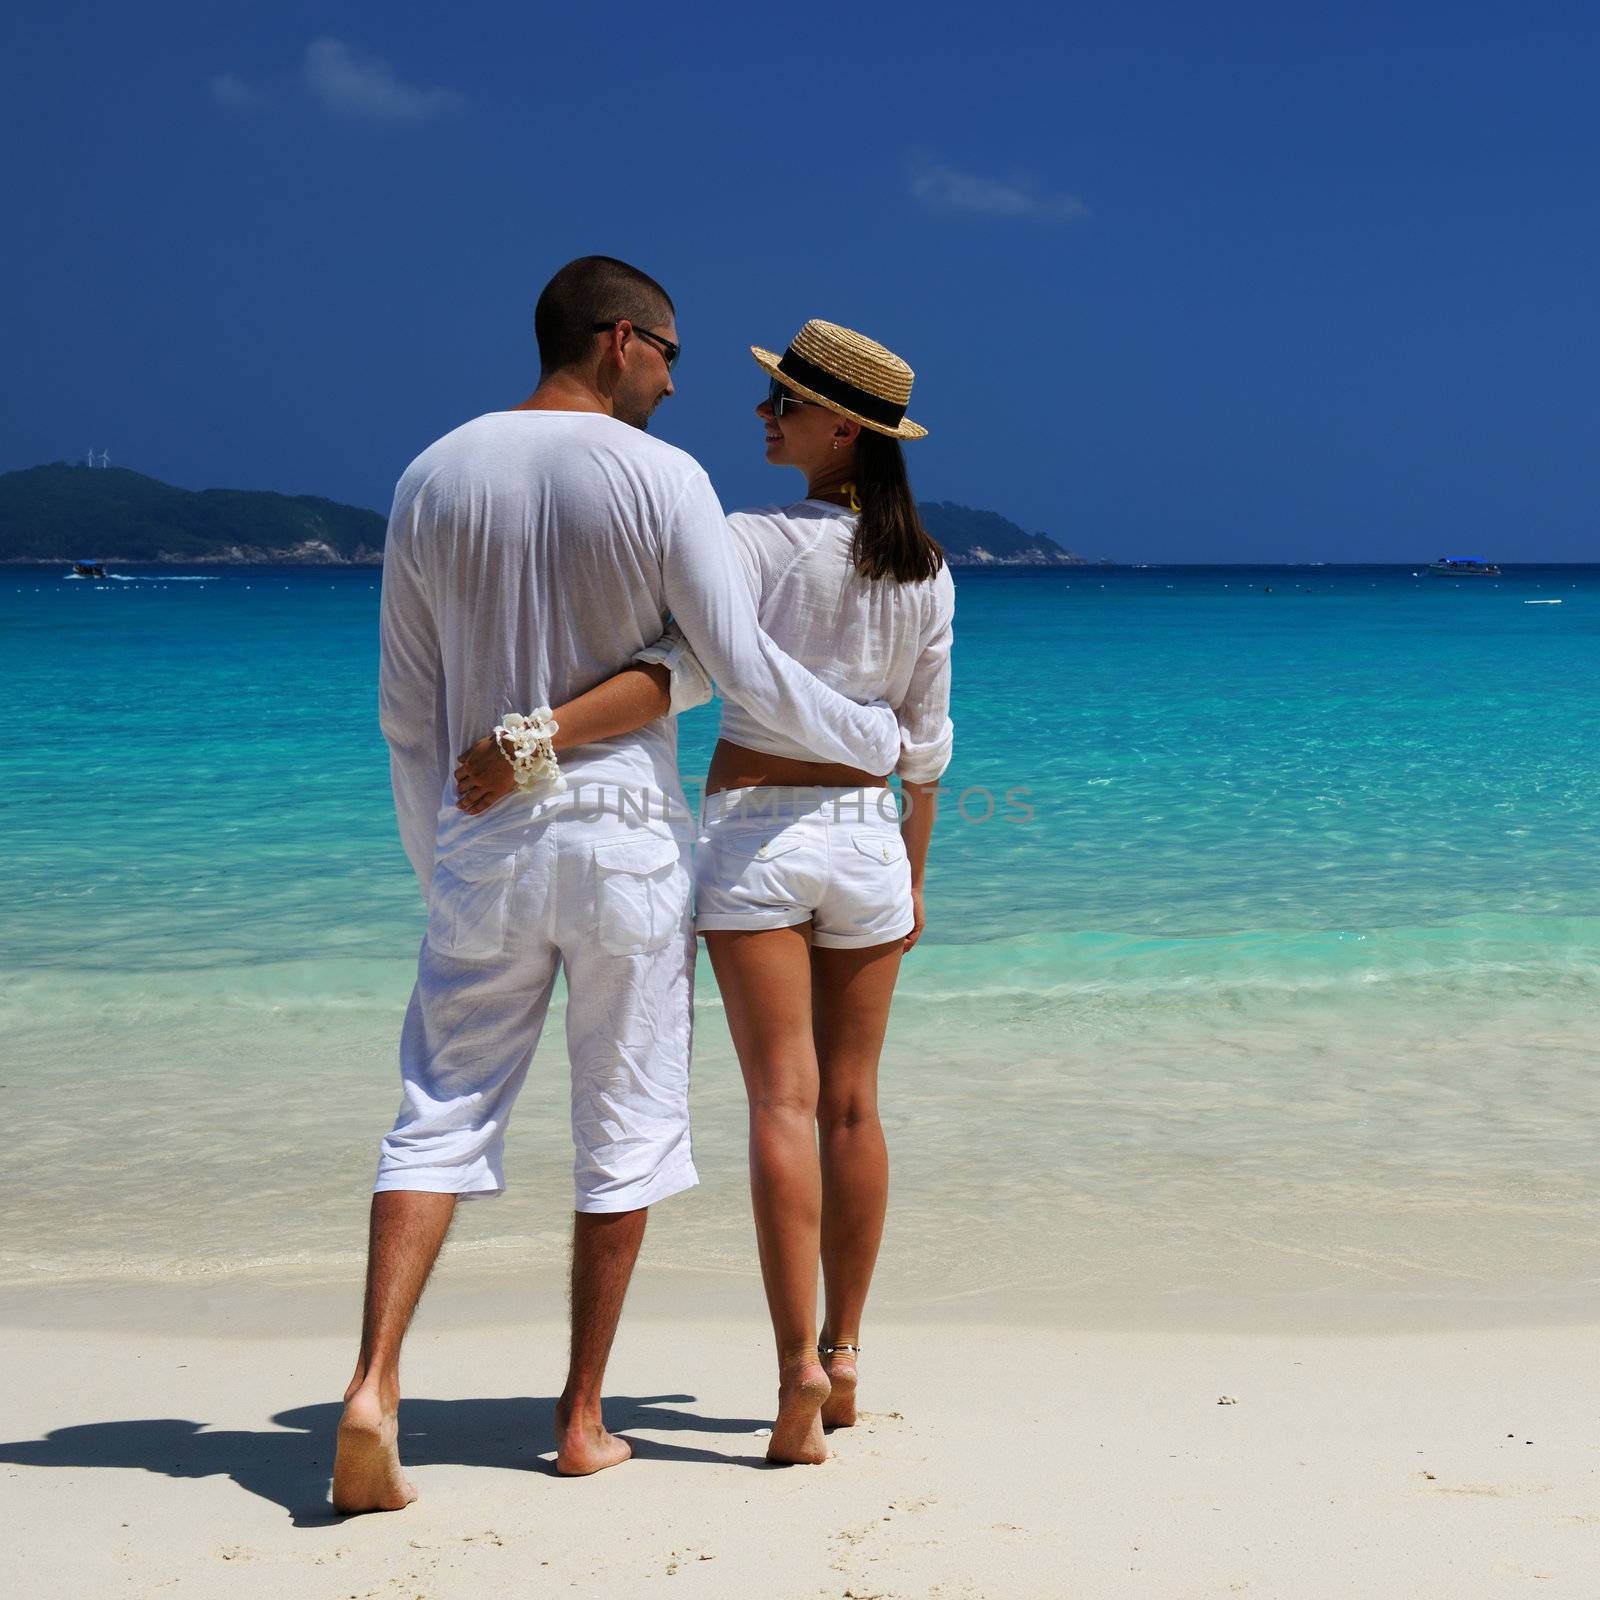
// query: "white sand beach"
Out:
[176,1441]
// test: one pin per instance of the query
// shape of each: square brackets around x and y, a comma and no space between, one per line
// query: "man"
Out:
[531,554]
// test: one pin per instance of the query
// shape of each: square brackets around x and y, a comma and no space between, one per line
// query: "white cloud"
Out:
[943,188]
[362,86]
[230,90]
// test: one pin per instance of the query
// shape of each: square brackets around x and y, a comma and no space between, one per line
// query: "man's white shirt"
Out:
[530,556]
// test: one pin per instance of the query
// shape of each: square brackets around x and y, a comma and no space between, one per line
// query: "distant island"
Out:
[986,539]
[70,513]
[78,513]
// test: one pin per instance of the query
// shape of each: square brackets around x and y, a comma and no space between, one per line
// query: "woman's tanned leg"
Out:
[851,991]
[765,978]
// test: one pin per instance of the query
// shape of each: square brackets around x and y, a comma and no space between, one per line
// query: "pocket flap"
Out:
[756,846]
[639,856]
[477,865]
[881,846]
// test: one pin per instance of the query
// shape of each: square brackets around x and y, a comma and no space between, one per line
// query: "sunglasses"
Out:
[669,351]
[782,399]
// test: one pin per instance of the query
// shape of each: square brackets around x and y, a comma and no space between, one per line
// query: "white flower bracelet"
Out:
[525,743]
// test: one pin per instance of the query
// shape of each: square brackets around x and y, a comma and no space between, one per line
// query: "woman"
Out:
[808,886]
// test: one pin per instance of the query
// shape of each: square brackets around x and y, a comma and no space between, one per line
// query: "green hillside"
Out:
[981,538]
[64,513]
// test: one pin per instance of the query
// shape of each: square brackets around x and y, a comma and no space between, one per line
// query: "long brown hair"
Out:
[890,540]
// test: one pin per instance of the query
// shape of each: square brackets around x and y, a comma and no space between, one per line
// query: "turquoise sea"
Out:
[1263,955]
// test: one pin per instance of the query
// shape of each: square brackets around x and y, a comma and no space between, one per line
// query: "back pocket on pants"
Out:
[642,894]
[469,902]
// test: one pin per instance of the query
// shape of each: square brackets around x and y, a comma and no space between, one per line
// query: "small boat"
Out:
[88,569]
[1463,567]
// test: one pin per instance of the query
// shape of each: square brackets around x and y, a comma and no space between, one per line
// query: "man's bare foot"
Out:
[797,1434]
[583,1445]
[366,1462]
[839,1409]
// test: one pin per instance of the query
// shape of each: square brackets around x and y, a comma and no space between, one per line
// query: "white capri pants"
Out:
[772,857]
[608,900]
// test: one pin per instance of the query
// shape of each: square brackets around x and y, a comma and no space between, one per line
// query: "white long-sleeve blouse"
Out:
[870,639]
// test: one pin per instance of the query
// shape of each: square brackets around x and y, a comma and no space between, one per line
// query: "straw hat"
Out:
[847,373]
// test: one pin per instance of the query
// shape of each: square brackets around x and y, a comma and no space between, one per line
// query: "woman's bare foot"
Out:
[583,1445]
[366,1462]
[839,1409]
[797,1434]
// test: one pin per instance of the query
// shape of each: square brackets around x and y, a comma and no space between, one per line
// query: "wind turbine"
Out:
[105,458]
[91,458]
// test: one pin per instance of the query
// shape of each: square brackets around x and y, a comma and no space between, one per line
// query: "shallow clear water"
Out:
[1275,964]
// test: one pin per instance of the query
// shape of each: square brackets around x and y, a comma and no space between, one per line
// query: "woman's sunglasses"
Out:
[782,399]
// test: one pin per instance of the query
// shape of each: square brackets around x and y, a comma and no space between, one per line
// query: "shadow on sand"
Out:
[290,1464]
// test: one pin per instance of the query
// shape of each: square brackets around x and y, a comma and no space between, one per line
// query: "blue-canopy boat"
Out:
[1463,567]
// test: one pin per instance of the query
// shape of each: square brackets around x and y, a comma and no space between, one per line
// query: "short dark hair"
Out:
[586,291]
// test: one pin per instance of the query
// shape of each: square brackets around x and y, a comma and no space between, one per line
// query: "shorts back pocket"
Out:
[469,903]
[642,894]
[759,842]
[885,847]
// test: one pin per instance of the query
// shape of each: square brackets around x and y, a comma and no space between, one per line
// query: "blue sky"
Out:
[1179,282]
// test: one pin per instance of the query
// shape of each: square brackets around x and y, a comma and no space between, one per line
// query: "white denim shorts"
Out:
[777,857]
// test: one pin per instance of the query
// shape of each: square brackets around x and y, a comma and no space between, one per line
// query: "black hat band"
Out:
[839,390]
